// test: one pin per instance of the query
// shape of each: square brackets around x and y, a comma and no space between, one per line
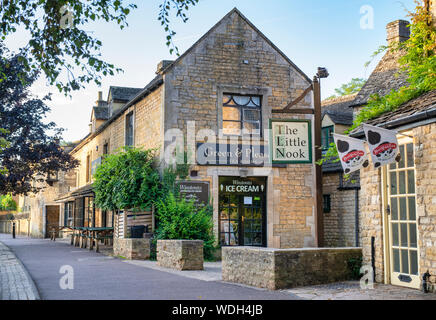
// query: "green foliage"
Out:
[7,203]
[351,87]
[3,144]
[179,219]
[127,180]
[354,265]
[181,6]
[418,61]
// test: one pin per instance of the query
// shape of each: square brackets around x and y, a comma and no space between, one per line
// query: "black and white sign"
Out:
[383,145]
[194,190]
[352,153]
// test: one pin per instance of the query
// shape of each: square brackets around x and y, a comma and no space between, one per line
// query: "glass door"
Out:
[402,219]
[252,221]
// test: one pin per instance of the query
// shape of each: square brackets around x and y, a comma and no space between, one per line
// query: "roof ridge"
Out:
[236,10]
[340,99]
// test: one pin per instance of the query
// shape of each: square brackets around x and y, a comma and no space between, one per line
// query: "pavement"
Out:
[15,282]
[95,276]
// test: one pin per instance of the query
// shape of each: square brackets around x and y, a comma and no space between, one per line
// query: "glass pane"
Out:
[394,208]
[234,200]
[411,181]
[257,226]
[410,158]
[404,242]
[396,254]
[402,182]
[404,261]
[255,101]
[401,164]
[413,238]
[224,200]
[248,213]
[395,234]
[241,100]
[412,209]
[224,226]
[414,262]
[231,127]
[257,214]
[230,113]
[227,99]
[393,166]
[234,233]
[251,115]
[224,213]
[234,213]
[393,183]
[252,127]
[403,209]
[257,239]
[224,239]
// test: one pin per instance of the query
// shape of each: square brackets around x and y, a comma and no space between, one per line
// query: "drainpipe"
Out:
[373,256]
[356,213]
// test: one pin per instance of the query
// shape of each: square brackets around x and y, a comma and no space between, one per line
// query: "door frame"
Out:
[387,231]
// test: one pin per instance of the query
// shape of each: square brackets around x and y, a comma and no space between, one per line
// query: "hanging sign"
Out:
[215,154]
[291,141]
[383,145]
[352,153]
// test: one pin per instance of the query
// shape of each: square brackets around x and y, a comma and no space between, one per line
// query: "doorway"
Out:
[52,219]
[242,211]
[402,219]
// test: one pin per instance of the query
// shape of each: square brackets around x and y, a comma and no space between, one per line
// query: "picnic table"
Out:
[81,235]
[54,230]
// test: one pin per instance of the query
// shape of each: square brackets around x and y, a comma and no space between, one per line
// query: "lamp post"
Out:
[321,74]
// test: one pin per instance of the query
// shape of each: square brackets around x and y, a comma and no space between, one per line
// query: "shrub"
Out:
[179,219]
[7,203]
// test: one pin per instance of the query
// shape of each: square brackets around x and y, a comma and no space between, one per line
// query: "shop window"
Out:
[327,137]
[129,129]
[105,149]
[241,112]
[327,203]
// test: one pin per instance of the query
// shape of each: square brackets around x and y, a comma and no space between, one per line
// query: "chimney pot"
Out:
[398,31]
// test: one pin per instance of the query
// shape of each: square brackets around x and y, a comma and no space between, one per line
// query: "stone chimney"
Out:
[100,102]
[161,66]
[397,31]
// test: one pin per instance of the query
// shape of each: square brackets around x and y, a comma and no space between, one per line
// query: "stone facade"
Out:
[132,249]
[180,254]
[287,268]
[340,222]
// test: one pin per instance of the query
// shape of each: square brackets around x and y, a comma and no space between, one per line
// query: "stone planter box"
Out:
[180,254]
[286,268]
[132,249]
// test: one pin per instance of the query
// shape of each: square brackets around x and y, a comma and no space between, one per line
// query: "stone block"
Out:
[287,268]
[132,249]
[180,254]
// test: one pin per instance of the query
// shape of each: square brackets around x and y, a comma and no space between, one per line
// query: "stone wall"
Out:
[340,222]
[132,249]
[180,254]
[286,268]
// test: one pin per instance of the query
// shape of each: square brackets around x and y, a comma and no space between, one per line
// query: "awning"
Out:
[85,191]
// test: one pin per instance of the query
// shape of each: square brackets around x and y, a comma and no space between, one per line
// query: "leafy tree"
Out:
[351,87]
[59,44]
[31,153]
[7,203]
[127,180]
[180,219]
[418,61]
[3,145]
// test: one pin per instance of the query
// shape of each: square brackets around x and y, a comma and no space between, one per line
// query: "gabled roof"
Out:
[235,10]
[385,78]
[338,109]
[418,109]
[123,94]
[101,113]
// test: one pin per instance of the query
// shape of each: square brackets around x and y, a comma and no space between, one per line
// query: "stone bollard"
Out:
[180,254]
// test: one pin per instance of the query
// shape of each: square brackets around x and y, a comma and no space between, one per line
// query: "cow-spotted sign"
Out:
[383,145]
[352,153]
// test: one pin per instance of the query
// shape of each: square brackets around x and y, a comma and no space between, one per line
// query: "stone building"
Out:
[218,100]
[398,202]
[340,195]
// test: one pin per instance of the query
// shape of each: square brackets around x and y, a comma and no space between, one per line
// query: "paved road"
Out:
[99,277]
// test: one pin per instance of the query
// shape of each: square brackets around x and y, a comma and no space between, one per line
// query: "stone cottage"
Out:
[398,202]
[218,101]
